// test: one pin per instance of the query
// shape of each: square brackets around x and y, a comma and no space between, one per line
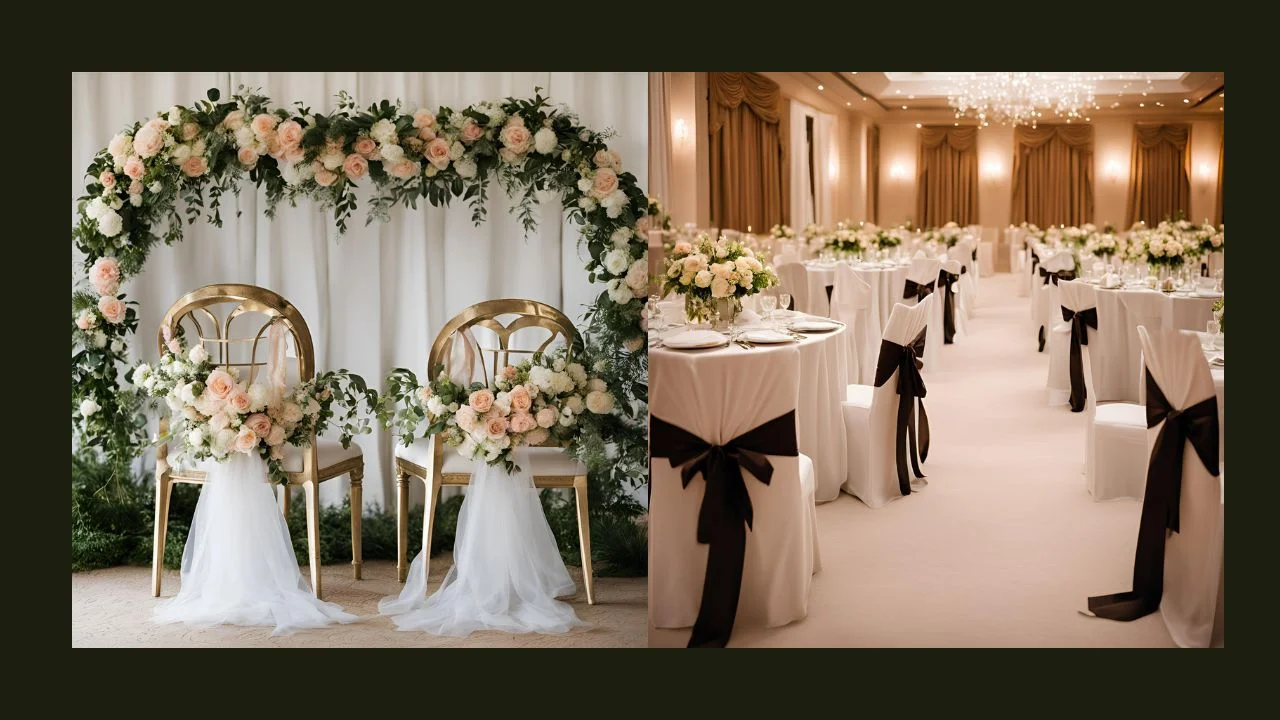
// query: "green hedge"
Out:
[112,524]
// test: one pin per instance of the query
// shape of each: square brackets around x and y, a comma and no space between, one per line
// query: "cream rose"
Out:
[190,131]
[602,159]
[260,424]
[365,146]
[481,400]
[604,183]
[148,141]
[105,275]
[424,118]
[720,288]
[638,276]
[220,383]
[239,401]
[496,428]
[325,177]
[516,138]
[112,308]
[234,120]
[520,400]
[289,134]
[404,169]
[537,436]
[466,418]
[471,131]
[120,146]
[263,124]
[547,417]
[246,439]
[522,422]
[276,437]
[599,402]
[355,166]
[195,166]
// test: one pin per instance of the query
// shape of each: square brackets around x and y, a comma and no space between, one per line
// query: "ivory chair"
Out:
[851,305]
[795,280]
[924,273]
[323,460]
[437,465]
[1044,294]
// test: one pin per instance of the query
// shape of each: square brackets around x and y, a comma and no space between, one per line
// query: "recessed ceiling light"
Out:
[956,124]
[904,107]
[911,97]
[1088,119]
[848,104]
[820,88]
[1142,104]
[864,99]
[1186,100]
[919,125]
[853,73]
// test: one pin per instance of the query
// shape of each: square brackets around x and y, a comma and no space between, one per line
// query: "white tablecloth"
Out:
[824,375]
[886,290]
[1116,353]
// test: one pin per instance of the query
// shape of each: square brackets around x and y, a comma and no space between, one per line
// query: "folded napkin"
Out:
[748,316]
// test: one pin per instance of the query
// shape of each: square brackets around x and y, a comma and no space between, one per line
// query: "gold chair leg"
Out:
[428,522]
[402,524]
[286,497]
[312,489]
[357,506]
[164,488]
[584,536]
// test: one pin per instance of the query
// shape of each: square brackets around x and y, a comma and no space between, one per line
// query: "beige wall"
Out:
[995,176]
[1205,137]
[1112,152]
[899,151]
[690,189]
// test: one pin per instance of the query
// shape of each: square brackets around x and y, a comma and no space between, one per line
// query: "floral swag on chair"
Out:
[196,154]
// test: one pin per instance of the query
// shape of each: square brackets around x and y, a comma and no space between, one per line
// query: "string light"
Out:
[1024,98]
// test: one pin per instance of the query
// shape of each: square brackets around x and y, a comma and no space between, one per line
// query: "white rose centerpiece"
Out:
[714,276]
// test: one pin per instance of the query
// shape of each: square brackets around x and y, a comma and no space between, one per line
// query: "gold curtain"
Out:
[1160,173]
[873,175]
[947,176]
[1053,175]
[1222,155]
[749,178]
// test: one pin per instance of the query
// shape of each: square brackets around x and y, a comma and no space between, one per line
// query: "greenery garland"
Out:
[179,164]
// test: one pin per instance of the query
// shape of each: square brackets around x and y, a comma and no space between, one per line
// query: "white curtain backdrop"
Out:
[824,126]
[802,210]
[659,138]
[376,297]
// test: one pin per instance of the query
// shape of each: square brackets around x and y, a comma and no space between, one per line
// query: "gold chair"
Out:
[437,465]
[322,460]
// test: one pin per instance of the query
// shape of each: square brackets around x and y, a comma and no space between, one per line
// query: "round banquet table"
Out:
[1117,353]
[824,376]
[886,289]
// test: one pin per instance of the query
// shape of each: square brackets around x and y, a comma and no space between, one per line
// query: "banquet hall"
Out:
[937,359]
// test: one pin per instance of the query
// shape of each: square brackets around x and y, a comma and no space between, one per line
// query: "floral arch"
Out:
[178,165]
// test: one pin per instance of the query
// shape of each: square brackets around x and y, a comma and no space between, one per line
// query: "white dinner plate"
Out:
[766,337]
[1207,293]
[814,326]
[695,340]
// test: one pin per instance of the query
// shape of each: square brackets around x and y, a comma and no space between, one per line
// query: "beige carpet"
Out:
[1003,547]
[112,608]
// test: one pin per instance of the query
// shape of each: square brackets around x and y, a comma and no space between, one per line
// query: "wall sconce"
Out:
[681,133]
[992,170]
[897,171]
[833,168]
[1113,171]
[1206,172]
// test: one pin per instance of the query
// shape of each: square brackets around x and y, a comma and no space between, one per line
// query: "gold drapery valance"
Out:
[749,171]
[731,89]
[1160,172]
[1052,175]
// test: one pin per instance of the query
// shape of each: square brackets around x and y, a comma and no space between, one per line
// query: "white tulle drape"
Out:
[507,571]
[376,297]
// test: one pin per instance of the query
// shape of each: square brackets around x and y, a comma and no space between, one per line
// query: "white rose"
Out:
[245,137]
[720,288]
[198,354]
[188,393]
[577,372]
[332,160]
[746,279]
[391,154]
[616,261]
[435,406]
[222,441]
[587,203]
[117,345]
[259,395]
[456,150]
[584,184]
[89,407]
[466,167]
[619,292]
[135,200]
[99,339]
[621,237]
[120,147]
[384,131]
[180,153]
[638,275]
[544,141]
[468,448]
[174,116]
[96,208]
[703,278]
[600,402]
[195,438]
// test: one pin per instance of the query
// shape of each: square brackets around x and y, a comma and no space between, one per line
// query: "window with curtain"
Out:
[749,184]
[1053,175]
[947,176]
[1160,173]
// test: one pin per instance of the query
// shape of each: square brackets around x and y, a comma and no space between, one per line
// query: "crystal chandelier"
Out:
[1022,98]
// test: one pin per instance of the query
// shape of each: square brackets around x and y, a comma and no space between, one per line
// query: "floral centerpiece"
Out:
[1212,239]
[1103,245]
[1164,249]
[948,234]
[783,232]
[843,240]
[214,413]
[544,400]
[888,238]
[715,275]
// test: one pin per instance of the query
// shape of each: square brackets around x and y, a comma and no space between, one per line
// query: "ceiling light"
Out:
[919,125]
[897,92]
[1142,104]
[1023,98]
[864,98]
[848,104]
[1186,100]
[911,97]
[853,73]
[820,88]
[904,107]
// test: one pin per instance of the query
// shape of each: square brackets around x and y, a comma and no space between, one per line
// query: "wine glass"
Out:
[768,303]
[784,300]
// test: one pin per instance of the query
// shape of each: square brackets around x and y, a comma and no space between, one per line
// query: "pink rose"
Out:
[406,168]
[239,401]
[537,436]
[615,160]
[148,141]
[438,153]
[509,373]
[496,428]
[85,320]
[264,123]
[134,168]
[520,400]
[276,437]
[516,138]
[274,148]
[546,418]
[507,155]
[189,131]
[234,120]
[195,166]
[325,177]
[289,133]
[355,166]
[136,187]
[515,121]
[366,146]
[471,132]
[220,383]
[424,119]
[105,275]
[522,422]
[210,406]
[294,155]
[112,308]
[246,440]
[219,421]
[260,424]
[427,134]
[108,179]
[247,156]
[605,182]
[481,400]
[602,159]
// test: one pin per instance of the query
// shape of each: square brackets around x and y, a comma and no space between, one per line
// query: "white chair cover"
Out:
[851,304]
[1045,295]
[870,418]
[1074,295]
[1193,603]
[955,265]
[794,279]
[782,546]
[1143,308]
[925,270]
